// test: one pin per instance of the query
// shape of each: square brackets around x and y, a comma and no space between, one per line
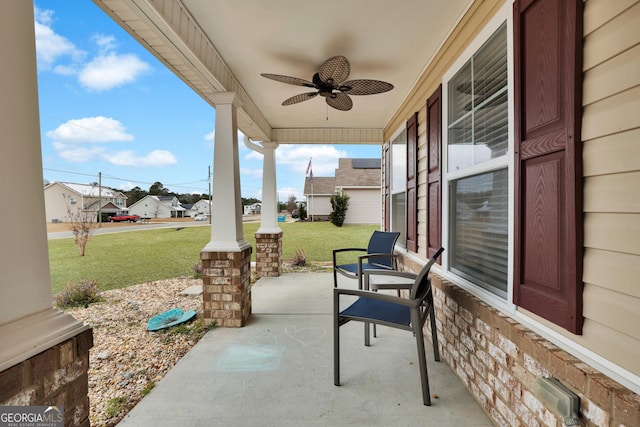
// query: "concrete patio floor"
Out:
[278,371]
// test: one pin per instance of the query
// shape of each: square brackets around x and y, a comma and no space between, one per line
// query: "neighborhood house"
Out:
[66,201]
[158,207]
[360,179]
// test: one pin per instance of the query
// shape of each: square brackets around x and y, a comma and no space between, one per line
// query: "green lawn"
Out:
[123,259]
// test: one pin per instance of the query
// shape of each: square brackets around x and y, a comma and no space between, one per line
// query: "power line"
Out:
[183,185]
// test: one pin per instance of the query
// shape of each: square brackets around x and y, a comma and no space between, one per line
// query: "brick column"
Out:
[226,290]
[269,254]
[55,377]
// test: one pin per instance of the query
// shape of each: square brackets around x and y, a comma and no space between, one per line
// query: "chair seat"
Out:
[353,268]
[384,311]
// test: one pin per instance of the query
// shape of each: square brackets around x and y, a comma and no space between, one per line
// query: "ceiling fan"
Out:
[330,83]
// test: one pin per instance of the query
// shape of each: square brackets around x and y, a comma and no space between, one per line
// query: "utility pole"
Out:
[99,199]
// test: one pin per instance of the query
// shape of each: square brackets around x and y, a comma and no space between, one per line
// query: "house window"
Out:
[72,200]
[398,185]
[476,178]
[119,202]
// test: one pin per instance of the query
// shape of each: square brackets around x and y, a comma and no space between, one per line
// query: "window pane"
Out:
[398,217]
[477,98]
[399,159]
[491,128]
[479,229]
[460,93]
[490,67]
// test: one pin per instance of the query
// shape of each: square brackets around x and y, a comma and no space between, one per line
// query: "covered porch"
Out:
[278,370]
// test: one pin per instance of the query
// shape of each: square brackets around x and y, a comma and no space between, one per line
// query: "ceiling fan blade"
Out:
[335,70]
[289,80]
[340,102]
[299,98]
[365,87]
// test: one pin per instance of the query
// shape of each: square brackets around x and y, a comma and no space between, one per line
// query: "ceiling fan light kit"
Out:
[330,83]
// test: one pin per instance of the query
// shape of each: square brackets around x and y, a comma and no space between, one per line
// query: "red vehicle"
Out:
[124,218]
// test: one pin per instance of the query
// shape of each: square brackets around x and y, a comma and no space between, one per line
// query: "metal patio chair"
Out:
[378,256]
[409,314]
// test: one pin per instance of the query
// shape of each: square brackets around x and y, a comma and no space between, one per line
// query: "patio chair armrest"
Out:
[388,273]
[376,255]
[349,249]
[374,295]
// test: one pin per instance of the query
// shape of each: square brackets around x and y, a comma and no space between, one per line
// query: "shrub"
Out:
[302,212]
[300,259]
[339,204]
[78,294]
[197,270]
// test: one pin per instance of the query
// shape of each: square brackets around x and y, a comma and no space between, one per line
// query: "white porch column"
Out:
[32,332]
[269,211]
[226,223]
[269,235]
[226,259]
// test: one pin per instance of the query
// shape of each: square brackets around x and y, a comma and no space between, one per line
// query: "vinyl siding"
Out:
[364,206]
[611,167]
[56,205]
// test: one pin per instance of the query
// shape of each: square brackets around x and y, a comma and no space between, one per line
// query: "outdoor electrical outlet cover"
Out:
[169,318]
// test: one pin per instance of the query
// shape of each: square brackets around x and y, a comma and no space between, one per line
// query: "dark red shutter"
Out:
[412,183]
[434,192]
[387,193]
[548,210]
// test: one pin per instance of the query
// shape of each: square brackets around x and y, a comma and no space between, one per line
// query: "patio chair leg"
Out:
[336,342]
[434,332]
[422,360]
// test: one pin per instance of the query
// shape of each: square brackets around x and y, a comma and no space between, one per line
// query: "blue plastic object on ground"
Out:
[169,318]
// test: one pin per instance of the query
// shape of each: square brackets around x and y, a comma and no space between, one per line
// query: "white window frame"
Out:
[506,305]
[394,191]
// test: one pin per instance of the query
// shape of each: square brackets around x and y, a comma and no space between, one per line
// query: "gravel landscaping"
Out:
[127,361]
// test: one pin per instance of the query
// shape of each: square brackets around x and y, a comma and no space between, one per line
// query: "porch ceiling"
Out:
[221,45]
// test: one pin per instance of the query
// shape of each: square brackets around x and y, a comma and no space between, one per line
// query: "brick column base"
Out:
[226,287]
[269,254]
[55,377]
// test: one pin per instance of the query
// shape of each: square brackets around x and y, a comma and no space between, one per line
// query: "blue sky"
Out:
[109,106]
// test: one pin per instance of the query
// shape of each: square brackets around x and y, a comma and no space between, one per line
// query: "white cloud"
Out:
[154,158]
[105,42]
[78,153]
[251,172]
[286,192]
[111,70]
[296,158]
[50,46]
[106,70]
[126,186]
[90,129]
[211,136]
[81,140]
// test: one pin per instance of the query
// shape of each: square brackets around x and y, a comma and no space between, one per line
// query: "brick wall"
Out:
[226,287]
[499,360]
[268,254]
[56,377]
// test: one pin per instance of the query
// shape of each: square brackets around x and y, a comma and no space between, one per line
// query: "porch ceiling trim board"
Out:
[199,65]
[327,136]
